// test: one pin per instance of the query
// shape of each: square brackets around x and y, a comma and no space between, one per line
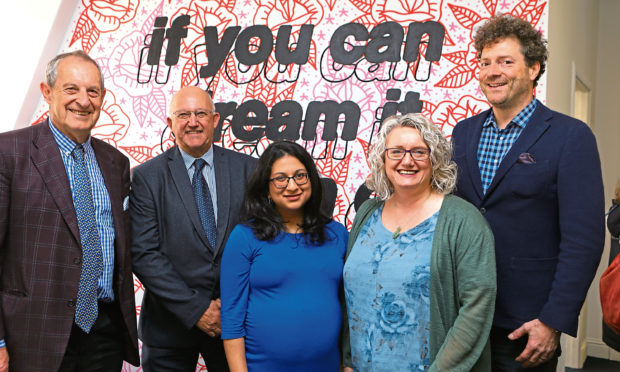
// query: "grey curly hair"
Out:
[443,177]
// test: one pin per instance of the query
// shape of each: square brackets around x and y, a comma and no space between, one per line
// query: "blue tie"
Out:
[92,257]
[204,202]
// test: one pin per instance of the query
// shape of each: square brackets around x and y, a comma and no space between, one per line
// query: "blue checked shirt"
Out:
[495,143]
[101,202]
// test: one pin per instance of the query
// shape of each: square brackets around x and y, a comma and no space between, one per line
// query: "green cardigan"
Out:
[463,287]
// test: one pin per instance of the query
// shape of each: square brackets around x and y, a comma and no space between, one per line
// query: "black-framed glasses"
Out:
[185,115]
[419,153]
[281,181]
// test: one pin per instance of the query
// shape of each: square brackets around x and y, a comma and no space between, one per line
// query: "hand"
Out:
[347,369]
[4,360]
[209,322]
[542,342]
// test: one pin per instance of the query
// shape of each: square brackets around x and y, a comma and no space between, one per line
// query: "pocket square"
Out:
[126,203]
[526,158]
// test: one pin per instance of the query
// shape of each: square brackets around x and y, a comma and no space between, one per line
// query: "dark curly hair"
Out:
[533,46]
[260,213]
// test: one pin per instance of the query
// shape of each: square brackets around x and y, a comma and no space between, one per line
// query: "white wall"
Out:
[30,35]
[584,34]
[607,130]
[572,40]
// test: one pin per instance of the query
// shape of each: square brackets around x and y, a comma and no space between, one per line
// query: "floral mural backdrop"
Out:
[262,95]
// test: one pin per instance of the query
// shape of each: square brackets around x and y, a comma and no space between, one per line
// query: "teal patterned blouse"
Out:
[387,288]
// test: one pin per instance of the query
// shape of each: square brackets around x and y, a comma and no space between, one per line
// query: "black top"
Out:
[613,218]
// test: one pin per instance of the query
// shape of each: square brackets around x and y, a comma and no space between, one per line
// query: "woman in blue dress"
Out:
[282,270]
[419,277]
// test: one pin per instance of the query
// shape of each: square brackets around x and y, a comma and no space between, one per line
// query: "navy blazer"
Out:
[170,250]
[547,215]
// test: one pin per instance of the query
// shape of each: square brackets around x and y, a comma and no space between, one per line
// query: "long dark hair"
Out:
[260,213]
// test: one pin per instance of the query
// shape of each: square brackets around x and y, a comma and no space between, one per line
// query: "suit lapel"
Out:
[472,154]
[184,188]
[222,181]
[535,128]
[47,159]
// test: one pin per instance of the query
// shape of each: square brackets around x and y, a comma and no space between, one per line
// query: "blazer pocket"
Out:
[531,284]
[533,264]
[10,299]
[530,180]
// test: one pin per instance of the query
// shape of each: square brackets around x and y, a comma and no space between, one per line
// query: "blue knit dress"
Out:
[282,297]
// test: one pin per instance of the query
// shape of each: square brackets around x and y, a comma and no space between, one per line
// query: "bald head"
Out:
[190,93]
[192,120]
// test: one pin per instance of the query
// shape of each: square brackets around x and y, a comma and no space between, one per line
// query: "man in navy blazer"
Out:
[172,253]
[535,175]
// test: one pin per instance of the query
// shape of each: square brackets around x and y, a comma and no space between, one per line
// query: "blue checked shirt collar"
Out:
[65,144]
[521,120]
[495,143]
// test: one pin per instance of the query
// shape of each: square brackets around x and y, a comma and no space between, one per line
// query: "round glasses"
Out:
[281,181]
[419,154]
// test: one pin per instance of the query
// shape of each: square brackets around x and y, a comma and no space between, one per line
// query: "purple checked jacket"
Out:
[40,252]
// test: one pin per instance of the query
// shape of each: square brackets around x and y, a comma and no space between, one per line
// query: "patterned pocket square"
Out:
[526,158]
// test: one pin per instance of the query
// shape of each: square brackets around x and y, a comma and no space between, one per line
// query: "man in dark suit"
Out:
[181,219]
[535,174]
[66,296]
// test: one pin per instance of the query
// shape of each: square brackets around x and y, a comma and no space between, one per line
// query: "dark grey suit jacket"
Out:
[170,251]
[40,248]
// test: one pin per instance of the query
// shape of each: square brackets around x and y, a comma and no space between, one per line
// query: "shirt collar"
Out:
[520,119]
[189,160]
[66,144]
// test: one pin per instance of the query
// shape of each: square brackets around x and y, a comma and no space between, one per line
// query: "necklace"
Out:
[408,220]
[396,233]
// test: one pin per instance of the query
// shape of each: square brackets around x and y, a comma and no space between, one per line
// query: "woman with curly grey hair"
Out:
[419,276]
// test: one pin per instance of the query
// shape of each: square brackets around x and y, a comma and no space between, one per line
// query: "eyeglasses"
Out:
[185,115]
[396,153]
[281,181]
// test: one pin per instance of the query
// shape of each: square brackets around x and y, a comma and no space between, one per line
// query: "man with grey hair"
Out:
[67,300]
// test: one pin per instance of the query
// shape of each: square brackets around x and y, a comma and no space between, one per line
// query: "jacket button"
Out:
[77,260]
[70,303]
[483,210]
